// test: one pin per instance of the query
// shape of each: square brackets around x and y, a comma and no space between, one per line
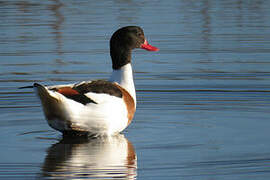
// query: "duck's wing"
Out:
[88,91]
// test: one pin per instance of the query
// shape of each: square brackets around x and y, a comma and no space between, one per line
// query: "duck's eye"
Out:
[139,34]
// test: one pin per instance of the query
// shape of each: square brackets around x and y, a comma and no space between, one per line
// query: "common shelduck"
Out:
[99,107]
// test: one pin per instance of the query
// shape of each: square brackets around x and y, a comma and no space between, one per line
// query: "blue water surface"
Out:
[203,99]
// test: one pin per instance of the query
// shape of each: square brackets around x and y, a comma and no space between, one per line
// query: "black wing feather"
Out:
[80,98]
[99,86]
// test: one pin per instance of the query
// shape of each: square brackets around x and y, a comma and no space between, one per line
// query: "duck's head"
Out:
[123,41]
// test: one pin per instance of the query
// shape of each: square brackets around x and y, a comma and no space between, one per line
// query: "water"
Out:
[203,99]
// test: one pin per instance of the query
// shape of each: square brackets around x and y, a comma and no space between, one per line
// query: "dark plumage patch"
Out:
[122,42]
[77,93]
[74,95]
[99,86]
[81,98]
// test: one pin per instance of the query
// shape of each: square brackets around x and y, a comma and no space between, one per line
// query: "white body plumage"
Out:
[108,116]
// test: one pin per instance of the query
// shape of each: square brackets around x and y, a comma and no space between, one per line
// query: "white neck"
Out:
[124,77]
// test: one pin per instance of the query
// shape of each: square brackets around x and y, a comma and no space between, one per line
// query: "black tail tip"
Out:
[24,87]
[34,85]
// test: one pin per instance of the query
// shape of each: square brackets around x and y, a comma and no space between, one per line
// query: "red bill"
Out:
[148,47]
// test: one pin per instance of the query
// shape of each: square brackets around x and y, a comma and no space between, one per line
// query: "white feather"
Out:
[108,116]
[124,77]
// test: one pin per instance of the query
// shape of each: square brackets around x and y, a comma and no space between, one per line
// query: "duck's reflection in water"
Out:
[111,157]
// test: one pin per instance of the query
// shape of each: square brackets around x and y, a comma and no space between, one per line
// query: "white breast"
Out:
[124,77]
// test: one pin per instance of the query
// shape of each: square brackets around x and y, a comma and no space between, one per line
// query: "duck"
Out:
[97,107]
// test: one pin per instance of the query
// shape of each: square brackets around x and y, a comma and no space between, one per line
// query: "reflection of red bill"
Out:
[148,47]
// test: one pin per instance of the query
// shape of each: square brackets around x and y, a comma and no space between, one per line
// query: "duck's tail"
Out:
[47,98]
[24,87]
[52,107]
